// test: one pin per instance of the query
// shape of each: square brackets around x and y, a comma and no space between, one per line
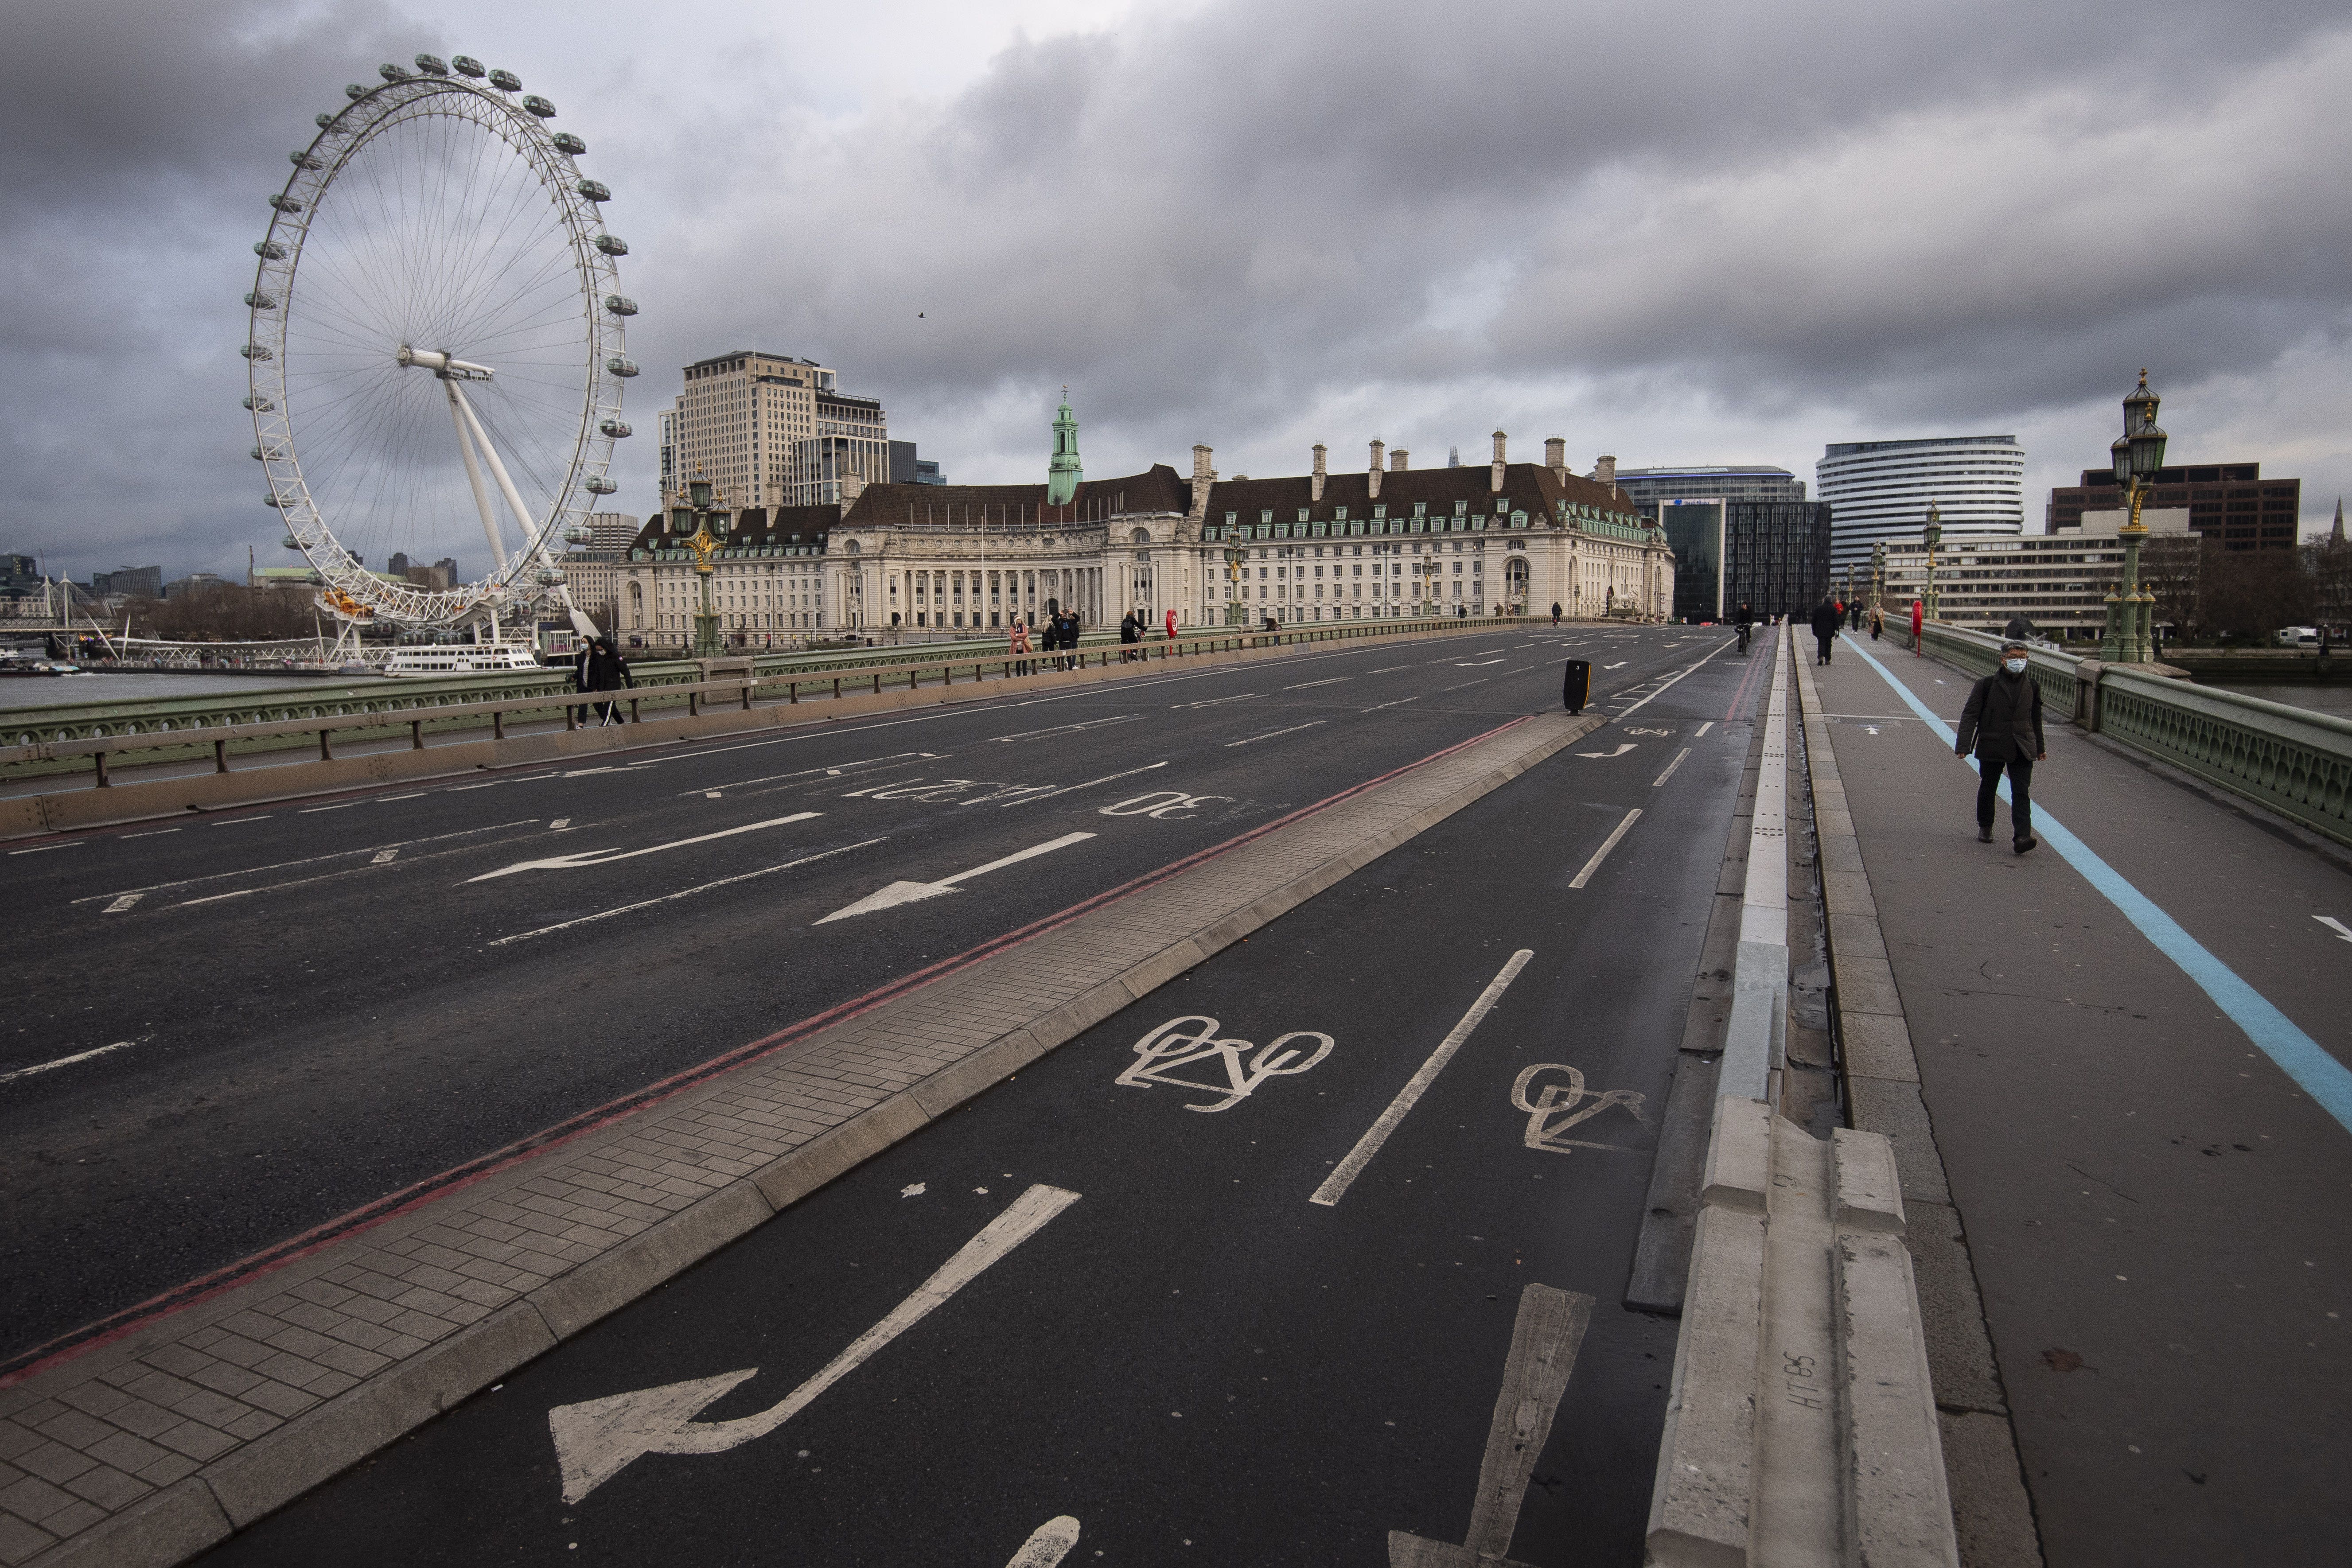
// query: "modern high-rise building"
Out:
[1771,555]
[846,448]
[1881,492]
[741,420]
[1645,487]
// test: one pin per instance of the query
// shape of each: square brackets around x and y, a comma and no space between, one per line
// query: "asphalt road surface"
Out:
[231,1029]
[1248,1337]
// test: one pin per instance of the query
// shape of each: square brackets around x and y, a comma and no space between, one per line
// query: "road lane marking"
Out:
[1619,665]
[1270,734]
[685,893]
[1073,789]
[2299,1056]
[384,857]
[314,810]
[1306,684]
[1467,684]
[1170,1048]
[1553,1109]
[152,833]
[1671,767]
[2338,927]
[559,825]
[126,901]
[588,857]
[1545,1339]
[1047,1544]
[44,849]
[1397,703]
[1678,675]
[1703,728]
[598,1438]
[388,799]
[1335,1185]
[1601,853]
[1483,663]
[1605,756]
[1160,804]
[899,893]
[66,1061]
[1212,701]
[1066,728]
[306,860]
[217,897]
[241,821]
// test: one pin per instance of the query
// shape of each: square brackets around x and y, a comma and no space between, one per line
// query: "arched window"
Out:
[1141,536]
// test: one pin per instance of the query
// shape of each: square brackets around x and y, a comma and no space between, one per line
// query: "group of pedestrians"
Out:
[1058,640]
[599,667]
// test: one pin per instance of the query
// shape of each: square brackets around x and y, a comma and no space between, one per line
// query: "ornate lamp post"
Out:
[2139,454]
[1934,536]
[1235,612]
[1878,577]
[710,525]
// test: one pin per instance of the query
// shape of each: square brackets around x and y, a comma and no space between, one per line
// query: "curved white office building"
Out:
[1880,491]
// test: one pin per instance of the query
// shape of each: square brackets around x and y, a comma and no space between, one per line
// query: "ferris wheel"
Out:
[436,350]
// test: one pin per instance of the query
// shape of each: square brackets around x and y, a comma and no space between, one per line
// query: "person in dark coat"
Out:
[2003,724]
[1826,618]
[2018,629]
[604,670]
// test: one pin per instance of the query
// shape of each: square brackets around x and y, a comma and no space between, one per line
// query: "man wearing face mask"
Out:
[2003,722]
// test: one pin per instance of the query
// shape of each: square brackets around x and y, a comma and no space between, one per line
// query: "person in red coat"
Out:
[1918,621]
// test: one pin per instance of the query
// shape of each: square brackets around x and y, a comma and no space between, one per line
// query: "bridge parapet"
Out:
[2290,761]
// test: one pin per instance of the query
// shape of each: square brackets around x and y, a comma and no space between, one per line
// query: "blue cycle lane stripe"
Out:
[2299,1056]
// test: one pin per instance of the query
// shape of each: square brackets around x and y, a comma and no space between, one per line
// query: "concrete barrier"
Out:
[1756,1038]
[1801,1427]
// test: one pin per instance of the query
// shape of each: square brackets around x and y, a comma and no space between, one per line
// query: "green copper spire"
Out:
[1062,476]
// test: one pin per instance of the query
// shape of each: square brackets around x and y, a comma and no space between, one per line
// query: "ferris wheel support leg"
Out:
[458,412]
[523,520]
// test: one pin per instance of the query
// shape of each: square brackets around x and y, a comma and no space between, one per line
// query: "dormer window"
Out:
[1421,509]
[1302,514]
[1341,514]
[1462,508]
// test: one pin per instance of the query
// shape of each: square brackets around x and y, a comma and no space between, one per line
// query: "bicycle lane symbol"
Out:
[1554,1109]
[1174,1048]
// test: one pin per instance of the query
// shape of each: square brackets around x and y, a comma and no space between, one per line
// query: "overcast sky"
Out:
[1695,233]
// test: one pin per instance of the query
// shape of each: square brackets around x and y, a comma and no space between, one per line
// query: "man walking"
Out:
[2003,723]
[1825,620]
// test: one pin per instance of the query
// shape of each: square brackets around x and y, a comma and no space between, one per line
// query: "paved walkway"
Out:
[2131,1045]
[149,1447]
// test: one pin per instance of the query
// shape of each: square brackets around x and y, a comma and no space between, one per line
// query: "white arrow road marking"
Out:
[1335,1185]
[685,892]
[1047,1544]
[2338,927]
[1545,1338]
[607,857]
[598,1438]
[1608,844]
[1671,767]
[899,893]
[1604,756]
[67,1061]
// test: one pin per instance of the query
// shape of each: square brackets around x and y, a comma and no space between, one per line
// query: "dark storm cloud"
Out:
[1248,220]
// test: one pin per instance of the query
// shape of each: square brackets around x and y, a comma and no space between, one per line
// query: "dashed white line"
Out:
[66,1061]
[1671,767]
[1608,844]
[1270,734]
[1336,1184]
[1397,703]
[44,849]
[1703,728]
[688,893]
[1333,680]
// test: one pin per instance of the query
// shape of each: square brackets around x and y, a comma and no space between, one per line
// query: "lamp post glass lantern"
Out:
[2138,457]
[1934,536]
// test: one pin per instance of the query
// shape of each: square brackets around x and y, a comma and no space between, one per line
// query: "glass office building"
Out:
[1772,556]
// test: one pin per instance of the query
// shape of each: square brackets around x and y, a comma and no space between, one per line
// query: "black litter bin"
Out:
[1578,686]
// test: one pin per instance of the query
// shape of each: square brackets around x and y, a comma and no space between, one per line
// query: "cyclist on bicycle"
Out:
[1744,620]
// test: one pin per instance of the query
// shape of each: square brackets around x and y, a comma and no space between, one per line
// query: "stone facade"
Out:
[917,562]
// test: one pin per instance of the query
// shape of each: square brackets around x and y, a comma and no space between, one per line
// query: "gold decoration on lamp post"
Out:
[712,522]
[2139,454]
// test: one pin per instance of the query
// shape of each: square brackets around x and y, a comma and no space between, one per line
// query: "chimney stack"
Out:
[1203,475]
[1378,448]
[1317,487]
[1499,462]
[1556,455]
[1605,471]
[1397,460]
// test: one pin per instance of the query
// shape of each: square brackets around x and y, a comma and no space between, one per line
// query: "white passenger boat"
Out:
[461,658]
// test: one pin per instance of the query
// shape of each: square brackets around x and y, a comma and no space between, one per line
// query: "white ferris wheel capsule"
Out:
[436,350]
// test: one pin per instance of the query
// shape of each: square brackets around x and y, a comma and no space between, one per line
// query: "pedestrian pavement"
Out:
[151,1445]
[2130,1047]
